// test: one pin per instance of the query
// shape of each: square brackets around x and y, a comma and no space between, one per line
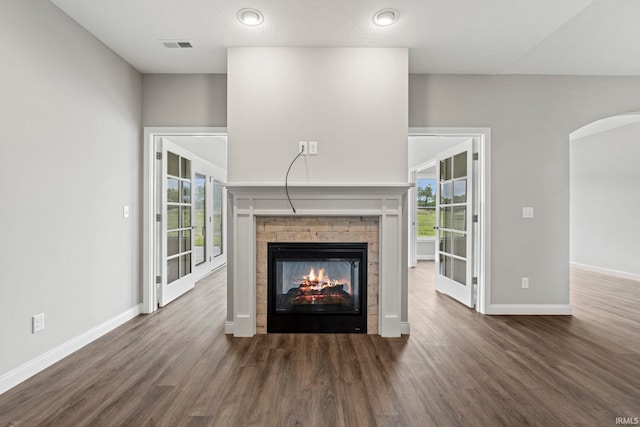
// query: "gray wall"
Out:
[605,200]
[530,118]
[352,101]
[70,154]
[184,100]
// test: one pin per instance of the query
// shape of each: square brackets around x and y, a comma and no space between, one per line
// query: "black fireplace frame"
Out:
[316,322]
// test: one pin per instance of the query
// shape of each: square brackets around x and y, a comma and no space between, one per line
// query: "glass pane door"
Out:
[454,223]
[200,218]
[217,219]
[177,196]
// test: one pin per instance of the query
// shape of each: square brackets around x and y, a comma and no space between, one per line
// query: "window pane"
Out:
[172,218]
[459,244]
[446,266]
[186,192]
[460,191]
[445,242]
[173,244]
[185,168]
[173,190]
[173,270]
[459,271]
[426,222]
[199,220]
[426,192]
[446,220]
[459,218]
[173,164]
[186,216]
[446,189]
[185,265]
[185,240]
[217,218]
[445,169]
[460,165]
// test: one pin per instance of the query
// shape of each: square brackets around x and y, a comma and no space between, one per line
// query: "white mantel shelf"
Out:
[248,200]
[329,185]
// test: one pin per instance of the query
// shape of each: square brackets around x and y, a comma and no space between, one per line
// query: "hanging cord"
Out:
[286,180]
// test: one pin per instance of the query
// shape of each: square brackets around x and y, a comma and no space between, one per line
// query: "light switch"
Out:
[527,212]
[125,211]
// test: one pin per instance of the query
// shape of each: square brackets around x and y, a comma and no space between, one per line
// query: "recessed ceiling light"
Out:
[251,17]
[385,17]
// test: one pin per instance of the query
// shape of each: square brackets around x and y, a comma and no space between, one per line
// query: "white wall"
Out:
[352,101]
[605,200]
[70,159]
[530,118]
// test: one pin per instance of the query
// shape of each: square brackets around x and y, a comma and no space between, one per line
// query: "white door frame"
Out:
[482,250]
[149,303]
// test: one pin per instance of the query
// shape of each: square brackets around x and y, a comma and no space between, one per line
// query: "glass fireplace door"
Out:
[317,287]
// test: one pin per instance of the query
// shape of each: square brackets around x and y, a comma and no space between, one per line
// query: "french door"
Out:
[177,258]
[454,223]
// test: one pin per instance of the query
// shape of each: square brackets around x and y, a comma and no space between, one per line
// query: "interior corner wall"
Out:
[70,159]
[352,101]
[605,200]
[175,100]
[530,118]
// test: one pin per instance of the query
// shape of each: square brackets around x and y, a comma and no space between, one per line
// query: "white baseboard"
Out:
[405,328]
[530,309]
[228,327]
[606,271]
[32,367]
[426,257]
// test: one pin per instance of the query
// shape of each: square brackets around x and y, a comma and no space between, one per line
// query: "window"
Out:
[426,212]
[217,218]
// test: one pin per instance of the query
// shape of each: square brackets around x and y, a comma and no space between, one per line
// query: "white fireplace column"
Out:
[251,200]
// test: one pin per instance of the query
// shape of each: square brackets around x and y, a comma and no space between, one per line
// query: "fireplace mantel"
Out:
[248,200]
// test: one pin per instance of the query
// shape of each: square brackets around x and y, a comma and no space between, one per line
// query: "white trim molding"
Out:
[40,363]
[228,328]
[530,309]
[483,202]
[405,328]
[149,303]
[606,271]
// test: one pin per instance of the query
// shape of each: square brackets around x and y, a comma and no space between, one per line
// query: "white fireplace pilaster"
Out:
[250,200]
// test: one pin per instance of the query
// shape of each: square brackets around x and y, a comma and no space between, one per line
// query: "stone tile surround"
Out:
[317,229]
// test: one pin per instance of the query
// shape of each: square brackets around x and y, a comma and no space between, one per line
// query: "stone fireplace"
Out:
[367,214]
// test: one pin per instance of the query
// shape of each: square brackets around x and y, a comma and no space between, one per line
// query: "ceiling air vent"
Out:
[175,44]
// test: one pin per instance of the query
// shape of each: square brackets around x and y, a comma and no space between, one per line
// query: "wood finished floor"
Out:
[457,368]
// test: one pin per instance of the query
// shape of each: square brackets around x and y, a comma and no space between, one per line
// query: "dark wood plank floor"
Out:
[457,368]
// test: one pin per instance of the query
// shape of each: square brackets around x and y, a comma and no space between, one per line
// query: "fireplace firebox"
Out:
[317,287]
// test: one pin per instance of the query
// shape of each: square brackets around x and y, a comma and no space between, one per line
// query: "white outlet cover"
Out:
[38,322]
[527,212]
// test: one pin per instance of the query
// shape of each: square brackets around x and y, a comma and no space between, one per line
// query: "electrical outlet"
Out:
[313,148]
[525,283]
[37,322]
[527,212]
[302,147]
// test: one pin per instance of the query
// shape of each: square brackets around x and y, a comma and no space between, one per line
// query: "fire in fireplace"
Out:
[317,287]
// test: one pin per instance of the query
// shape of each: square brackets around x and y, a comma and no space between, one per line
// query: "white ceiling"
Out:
[210,148]
[582,37]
